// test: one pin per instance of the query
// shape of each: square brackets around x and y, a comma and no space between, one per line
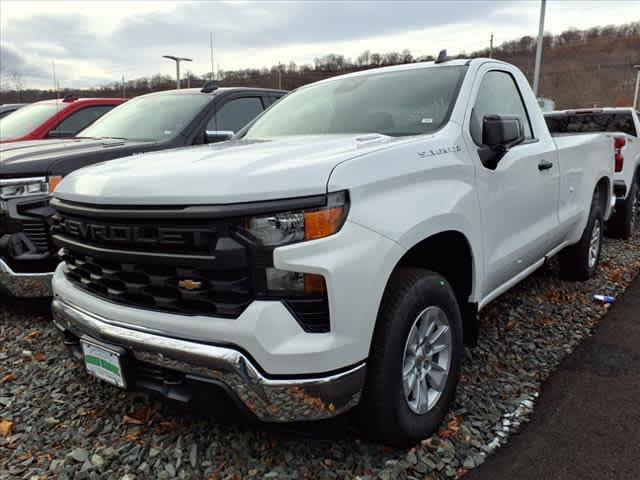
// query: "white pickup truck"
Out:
[336,252]
[624,125]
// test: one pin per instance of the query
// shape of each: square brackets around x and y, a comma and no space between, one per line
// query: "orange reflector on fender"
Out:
[314,284]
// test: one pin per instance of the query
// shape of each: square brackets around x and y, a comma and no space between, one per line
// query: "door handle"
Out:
[545,165]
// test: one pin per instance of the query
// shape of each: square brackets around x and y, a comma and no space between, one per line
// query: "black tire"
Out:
[574,260]
[384,411]
[624,221]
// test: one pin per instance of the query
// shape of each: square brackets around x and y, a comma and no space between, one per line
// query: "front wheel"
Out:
[414,363]
[579,261]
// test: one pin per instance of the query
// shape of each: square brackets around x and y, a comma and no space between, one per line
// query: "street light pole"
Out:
[177,60]
[536,72]
[635,95]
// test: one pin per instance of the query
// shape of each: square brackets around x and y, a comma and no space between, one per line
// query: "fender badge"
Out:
[440,151]
[188,284]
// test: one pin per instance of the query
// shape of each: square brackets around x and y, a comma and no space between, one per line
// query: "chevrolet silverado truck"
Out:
[336,253]
[29,171]
[624,125]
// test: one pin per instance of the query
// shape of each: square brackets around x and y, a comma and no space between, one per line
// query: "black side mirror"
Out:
[214,136]
[499,134]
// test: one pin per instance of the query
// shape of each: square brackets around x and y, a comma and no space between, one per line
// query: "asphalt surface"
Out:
[586,424]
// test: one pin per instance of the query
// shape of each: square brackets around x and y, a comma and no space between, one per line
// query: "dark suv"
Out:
[30,171]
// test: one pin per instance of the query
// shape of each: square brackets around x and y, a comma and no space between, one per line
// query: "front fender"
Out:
[407,199]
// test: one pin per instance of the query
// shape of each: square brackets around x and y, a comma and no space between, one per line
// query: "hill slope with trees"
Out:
[580,68]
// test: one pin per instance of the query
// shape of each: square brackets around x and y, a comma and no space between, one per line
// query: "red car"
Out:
[54,118]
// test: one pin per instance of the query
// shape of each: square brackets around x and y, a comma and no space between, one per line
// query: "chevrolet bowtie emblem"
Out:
[190,284]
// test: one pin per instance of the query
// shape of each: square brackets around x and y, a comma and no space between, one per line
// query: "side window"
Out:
[235,114]
[498,94]
[273,99]
[79,120]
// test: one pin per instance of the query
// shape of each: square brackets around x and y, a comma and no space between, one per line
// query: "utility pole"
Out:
[536,72]
[55,81]
[177,60]
[213,75]
[123,87]
[635,95]
[491,46]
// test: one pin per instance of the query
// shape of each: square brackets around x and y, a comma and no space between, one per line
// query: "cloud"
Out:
[241,30]
[14,63]
[110,39]
[264,24]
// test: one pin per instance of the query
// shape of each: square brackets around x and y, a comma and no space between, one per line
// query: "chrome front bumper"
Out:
[24,284]
[272,400]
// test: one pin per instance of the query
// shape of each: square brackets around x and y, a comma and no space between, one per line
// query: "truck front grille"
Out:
[172,265]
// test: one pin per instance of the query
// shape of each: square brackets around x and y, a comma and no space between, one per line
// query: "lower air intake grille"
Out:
[36,231]
[184,290]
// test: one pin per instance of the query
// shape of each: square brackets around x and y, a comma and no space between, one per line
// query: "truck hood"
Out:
[230,172]
[36,157]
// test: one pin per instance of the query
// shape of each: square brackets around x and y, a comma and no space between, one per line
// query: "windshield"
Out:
[26,120]
[408,102]
[592,122]
[148,118]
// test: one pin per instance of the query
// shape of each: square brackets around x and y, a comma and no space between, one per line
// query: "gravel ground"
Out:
[55,422]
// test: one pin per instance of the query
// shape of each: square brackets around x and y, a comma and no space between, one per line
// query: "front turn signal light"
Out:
[322,223]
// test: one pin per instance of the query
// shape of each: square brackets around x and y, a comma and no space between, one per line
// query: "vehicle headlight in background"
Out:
[25,187]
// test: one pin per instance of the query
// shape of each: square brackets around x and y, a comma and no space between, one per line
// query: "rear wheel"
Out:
[624,221]
[579,261]
[414,365]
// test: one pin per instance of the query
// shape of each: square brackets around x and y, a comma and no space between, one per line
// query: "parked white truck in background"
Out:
[624,125]
[336,252]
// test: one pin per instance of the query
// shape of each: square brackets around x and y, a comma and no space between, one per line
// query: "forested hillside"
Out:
[579,69]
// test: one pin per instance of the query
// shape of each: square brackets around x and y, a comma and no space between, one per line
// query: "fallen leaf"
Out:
[33,334]
[6,427]
[39,357]
[453,426]
[132,421]
[132,437]
[139,416]
[7,378]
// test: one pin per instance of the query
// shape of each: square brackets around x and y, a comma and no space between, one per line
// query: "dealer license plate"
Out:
[103,363]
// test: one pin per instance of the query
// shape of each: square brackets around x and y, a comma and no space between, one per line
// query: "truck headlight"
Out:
[277,229]
[296,226]
[25,187]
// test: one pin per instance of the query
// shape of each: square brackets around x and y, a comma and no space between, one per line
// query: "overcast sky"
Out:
[95,42]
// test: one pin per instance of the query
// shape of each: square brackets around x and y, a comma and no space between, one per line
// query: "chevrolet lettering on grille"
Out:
[132,233]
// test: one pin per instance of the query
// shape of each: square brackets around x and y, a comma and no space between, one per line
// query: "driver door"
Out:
[519,197]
